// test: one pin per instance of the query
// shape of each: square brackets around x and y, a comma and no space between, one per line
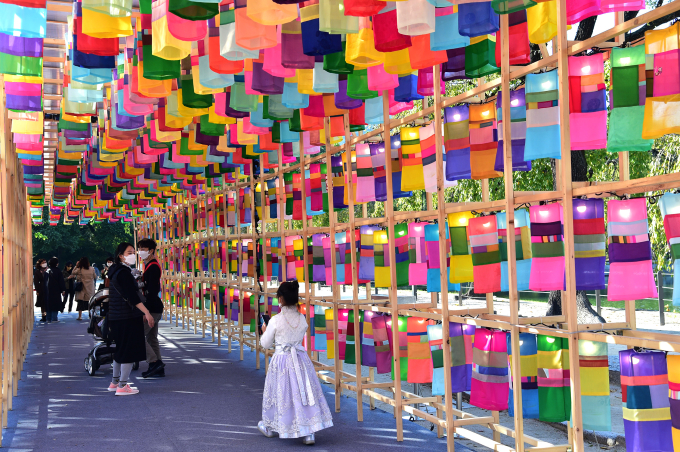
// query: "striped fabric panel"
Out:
[632,228]
[595,398]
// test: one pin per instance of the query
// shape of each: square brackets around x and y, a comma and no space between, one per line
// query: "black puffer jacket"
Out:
[123,295]
[55,286]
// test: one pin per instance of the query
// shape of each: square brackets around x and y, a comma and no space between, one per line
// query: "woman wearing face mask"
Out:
[105,273]
[83,273]
[70,290]
[125,319]
[39,284]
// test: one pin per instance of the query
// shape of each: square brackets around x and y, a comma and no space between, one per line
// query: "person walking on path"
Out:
[83,273]
[70,291]
[151,284]
[126,319]
[293,404]
[39,284]
[105,273]
[55,290]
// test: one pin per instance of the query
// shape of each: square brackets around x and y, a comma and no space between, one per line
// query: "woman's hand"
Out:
[149,319]
[264,327]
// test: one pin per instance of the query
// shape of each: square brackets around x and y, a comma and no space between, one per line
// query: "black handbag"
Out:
[78,286]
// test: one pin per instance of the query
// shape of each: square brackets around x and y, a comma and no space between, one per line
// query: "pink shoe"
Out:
[127,390]
[113,387]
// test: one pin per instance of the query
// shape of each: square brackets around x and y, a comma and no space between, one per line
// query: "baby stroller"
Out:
[102,352]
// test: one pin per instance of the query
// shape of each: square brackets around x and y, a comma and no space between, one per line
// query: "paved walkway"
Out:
[209,401]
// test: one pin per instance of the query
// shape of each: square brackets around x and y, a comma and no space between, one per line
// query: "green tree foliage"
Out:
[71,242]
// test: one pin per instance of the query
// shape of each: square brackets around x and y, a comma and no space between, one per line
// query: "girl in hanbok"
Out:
[293,403]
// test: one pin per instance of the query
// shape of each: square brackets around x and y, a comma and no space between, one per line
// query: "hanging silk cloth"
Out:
[382,339]
[403,347]
[522,249]
[419,357]
[461,340]
[595,400]
[587,104]
[417,270]
[368,355]
[669,204]
[461,260]
[367,252]
[646,416]
[317,264]
[412,165]
[490,379]
[518,130]
[330,335]
[433,260]
[547,248]
[589,243]
[294,259]
[529,368]
[397,164]
[365,181]
[379,173]
[674,397]
[434,337]
[483,146]
[354,330]
[627,100]
[554,390]
[631,276]
[429,156]
[338,183]
[457,142]
[518,31]
[486,258]
[543,115]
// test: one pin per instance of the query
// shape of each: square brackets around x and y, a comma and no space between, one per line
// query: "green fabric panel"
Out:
[192,100]
[335,63]
[549,249]
[625,86]
[492,257]
[209,128]
[403,361]
[625,130]
[156,68]
[456,130]
[631,56]
[68,125]
[480,59]
[437,358]
[190,10]
[459,245]
[357,85]
[21,65]
[510,6]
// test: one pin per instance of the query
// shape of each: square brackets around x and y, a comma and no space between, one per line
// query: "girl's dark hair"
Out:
[40,261]
[69,263]
[110,258]
[121,250]
[288,293]
[53,263]
[84,262]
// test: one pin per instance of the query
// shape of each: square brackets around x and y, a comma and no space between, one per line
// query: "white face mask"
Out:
[108,264]
[43,265]
[143,254]
[131,259]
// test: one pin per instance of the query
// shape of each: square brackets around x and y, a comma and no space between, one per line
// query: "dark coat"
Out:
[39,284]
[55,287]
[123,293]
[69,282]
[152,286]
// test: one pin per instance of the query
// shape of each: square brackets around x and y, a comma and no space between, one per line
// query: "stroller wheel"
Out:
[90,365]
[135,366]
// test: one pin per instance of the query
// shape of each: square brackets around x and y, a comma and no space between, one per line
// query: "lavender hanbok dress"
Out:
[293,404]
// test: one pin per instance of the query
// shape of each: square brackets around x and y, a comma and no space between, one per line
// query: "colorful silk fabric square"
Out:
[382,339]
[670,214]
[461,339]
[646,406]
[529,369]
[554,388]
[412,164]
[417,269]
[547,248]
[589,243]
[518,131]
[595,401]
[630,252]
[522,249]
[587,102]
[457,142]
[483,141]
[433,261]
[419,357]
[461,269]
[674,397]
[486,258]
[402,325]
[543,116]
[490,379]
[368,356]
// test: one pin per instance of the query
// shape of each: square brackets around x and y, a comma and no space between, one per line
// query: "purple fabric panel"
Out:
[540,229]
[15,45]
[518,163]
[24,103]
[458,164]
[590,273]
[627,252]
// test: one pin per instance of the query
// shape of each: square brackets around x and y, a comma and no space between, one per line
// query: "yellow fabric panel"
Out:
[99,25]
[653,414]
[461,269]
[595,381]
[662,116]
